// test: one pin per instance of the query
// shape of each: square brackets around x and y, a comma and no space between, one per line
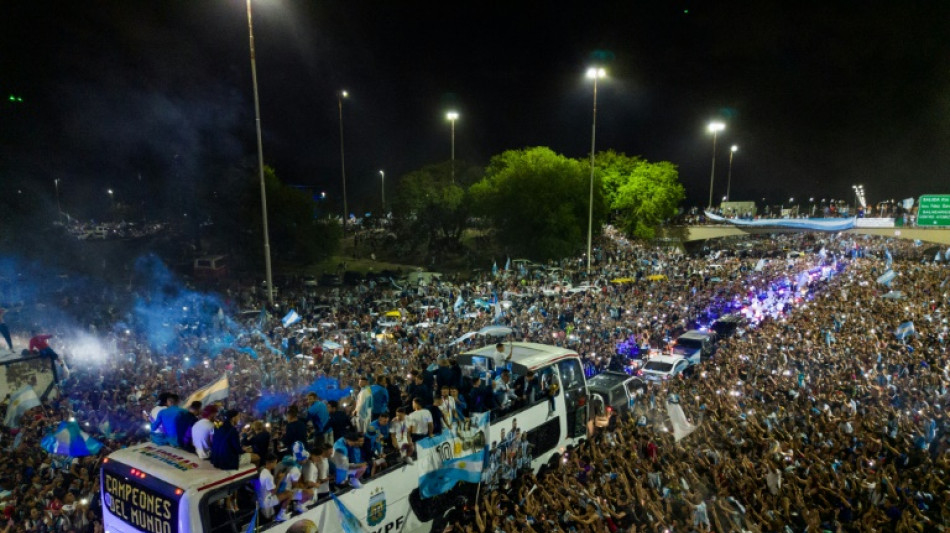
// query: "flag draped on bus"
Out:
[213,392]
[448,458]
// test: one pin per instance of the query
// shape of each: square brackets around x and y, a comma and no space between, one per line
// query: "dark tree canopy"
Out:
[537,201]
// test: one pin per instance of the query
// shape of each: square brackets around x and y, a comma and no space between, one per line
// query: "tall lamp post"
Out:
[111,194]
[593,73]
[732,152]
[59,208]
[452,116]
[714,128]
[339,99]
[260,159]
[382,185]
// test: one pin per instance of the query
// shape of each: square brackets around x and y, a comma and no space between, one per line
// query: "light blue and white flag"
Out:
[22,401]
[459,302]
[508,264]
[890,258]
[348,520]
[215,391]
[466,464]
[904,330]
[494,268]
[290,319]
[886,278]
[907,203]
[69,440]
[760,265]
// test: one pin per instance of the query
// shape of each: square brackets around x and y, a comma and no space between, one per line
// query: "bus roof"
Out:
[527,354]
[176,466]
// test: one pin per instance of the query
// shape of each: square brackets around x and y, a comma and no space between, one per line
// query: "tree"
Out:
[537,202]
[641,194]
[295,234]
[430,207]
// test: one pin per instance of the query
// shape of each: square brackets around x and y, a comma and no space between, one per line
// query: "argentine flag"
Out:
[290,319]
[467,468]
[348,520]
[886,278]
[890,258]
[442,475]
[904,330]
[22,401]
[459,302]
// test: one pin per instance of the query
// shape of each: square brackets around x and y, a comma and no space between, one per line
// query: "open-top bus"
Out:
[159,489]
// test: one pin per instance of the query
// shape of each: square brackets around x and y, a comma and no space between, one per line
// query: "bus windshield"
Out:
[141,501]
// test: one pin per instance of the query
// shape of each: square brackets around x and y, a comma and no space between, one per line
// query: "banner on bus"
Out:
[453,456]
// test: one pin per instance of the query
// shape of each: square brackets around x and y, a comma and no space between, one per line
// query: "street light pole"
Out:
[260,159]
[382,184]
[452,116]
[339,98]
[732,152]
[594,74]
[714,128]
[59,208]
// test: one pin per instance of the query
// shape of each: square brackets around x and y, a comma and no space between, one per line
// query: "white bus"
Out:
[159,489]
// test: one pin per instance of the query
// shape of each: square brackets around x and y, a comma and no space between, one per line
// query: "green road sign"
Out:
[933,210]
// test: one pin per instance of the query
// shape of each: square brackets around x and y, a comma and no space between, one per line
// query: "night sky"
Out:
[818,95]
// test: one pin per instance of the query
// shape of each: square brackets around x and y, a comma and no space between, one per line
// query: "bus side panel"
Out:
[381,506]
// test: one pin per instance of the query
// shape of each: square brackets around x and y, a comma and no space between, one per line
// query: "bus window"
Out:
[229,509]
[575,396]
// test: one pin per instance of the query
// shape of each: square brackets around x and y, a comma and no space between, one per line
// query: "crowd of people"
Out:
[816,418]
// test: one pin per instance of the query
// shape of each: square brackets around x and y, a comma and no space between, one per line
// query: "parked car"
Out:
[663,367]
[695,346]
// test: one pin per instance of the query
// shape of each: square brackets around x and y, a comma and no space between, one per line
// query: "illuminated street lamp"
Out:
[382,185]
[260,159]
[339,99]
[593,73]
[452,116]
[58,206]
[732,152]
[714,128]
[111,194]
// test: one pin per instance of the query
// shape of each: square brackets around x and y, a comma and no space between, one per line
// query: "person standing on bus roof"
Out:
[158,432]
[500,358]
[380,396]
[202,430]
[172,421]
[418,389]
[226,451]
[348,459]
[419,421]
[317,415]
[364,405]
[295,430]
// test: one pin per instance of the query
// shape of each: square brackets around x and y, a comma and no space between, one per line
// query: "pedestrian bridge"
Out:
[718,231]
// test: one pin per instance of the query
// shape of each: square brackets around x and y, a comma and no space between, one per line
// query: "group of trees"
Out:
[532,203]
